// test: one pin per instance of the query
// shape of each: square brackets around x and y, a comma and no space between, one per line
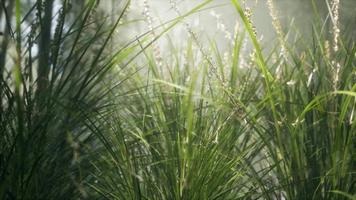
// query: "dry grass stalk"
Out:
[335,5]
[149,20]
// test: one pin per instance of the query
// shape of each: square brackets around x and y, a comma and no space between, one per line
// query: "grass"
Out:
[44,96]
[191,124]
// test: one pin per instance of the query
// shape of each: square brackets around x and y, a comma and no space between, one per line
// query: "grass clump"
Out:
[189,122]
[52,66]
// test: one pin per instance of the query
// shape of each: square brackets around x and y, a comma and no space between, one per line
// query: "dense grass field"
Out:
[89,112]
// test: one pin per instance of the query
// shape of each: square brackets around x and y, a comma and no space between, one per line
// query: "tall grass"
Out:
[183,123]
[235,133]
[48,82]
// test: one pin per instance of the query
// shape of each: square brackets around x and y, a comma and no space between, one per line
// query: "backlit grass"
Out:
[83,118]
